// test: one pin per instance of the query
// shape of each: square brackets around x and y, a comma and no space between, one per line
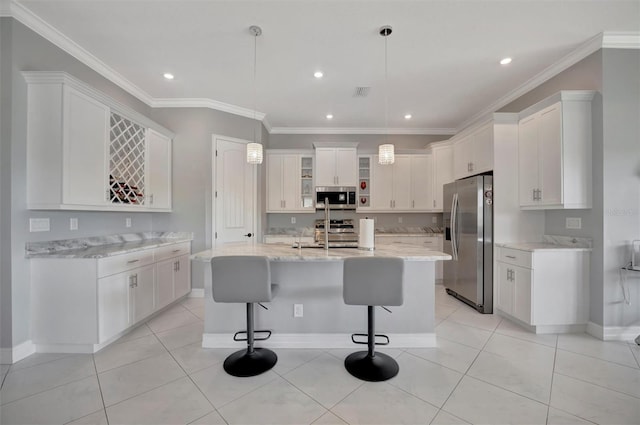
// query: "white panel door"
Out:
[381,186]
[143,293]
[182,276]
[421,182]
[401,182]
[462,158]
[505,294]
[443,172]
[522,299]
[113,305]
[482,150]
[550,155]
[528,160]
[346,167]
[274,183]
[291,182]
[158,167]
[85,135]
[325,167]
[235,191]
[164,282]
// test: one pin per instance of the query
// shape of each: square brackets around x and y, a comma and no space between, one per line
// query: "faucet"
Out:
[326,224]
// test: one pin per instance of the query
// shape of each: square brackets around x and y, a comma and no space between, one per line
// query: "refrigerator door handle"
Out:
[454,225]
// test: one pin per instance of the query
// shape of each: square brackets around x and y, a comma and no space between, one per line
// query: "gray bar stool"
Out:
[372,281]
[245,279]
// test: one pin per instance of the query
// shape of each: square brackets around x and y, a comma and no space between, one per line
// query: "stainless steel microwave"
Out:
[340,198]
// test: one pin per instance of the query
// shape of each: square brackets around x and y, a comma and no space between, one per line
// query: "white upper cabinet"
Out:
[442,172]
[473,153]
[336,167]
[87,152]
[404,186]
[554,152]
[289,182]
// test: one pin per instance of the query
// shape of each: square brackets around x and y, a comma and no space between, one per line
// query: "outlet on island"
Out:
[297,310]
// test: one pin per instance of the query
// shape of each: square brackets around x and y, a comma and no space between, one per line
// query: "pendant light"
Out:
[254,150]
[386,154]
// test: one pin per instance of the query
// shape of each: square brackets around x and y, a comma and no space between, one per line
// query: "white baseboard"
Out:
[196,293]
[17,353]
[613,333]
[324,341]
[595,330]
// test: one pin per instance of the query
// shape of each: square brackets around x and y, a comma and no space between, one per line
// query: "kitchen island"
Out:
[312,277]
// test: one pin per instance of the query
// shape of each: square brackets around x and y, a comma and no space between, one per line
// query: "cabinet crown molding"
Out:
[335,145]
[564,96]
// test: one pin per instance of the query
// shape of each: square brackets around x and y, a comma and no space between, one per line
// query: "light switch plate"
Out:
[297,310]
[400,220]
[127,222]
[73,223]
[573,223]
[293,220]
[39,225]
[434,220]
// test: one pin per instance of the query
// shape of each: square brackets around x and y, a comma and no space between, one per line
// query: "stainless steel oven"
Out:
[340,198]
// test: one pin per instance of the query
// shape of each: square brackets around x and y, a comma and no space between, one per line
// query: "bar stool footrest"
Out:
[376,368]
[236,338]
[386,342]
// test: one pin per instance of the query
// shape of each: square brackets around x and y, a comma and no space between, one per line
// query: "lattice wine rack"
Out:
[126,161]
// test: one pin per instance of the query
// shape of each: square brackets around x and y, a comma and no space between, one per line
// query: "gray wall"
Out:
[24,50]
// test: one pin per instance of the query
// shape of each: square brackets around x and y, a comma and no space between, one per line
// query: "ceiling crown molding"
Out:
[609,40]
[361,130]
[206,103]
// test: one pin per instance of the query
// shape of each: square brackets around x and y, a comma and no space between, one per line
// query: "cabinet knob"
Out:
[248,235]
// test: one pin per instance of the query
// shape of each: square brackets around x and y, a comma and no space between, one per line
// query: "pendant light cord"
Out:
[386,92]
[255,66]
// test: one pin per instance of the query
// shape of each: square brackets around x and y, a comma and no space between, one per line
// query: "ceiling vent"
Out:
[361,92]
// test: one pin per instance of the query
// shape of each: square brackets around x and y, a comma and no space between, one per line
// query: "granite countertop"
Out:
[104,246]
[276,252]
[551,243]
[382,231]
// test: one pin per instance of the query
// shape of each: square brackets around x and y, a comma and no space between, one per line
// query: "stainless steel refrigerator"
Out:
[468,223]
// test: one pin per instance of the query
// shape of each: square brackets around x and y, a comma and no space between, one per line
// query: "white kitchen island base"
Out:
[313,278]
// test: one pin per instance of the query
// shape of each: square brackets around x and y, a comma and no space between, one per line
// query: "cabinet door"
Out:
[505,294]
[291,183]
[550,155]
[461,158]
[346,167]
[182,276]
[274,183]
[482,150]
[326,167]
[401,182]
[85,133]
[143,292]
[164,282]
[381,186]
[522,298]
[158,164]
[113,305]
[443,172]
[422,182]
[528,160]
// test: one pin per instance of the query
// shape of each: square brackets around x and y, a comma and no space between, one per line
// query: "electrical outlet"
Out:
[73,224]
[400,220]
[39,225]
[573,223]
[293,220]
[297,310]
[127,222]
[434,220]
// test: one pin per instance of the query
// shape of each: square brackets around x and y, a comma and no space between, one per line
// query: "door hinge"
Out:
[216,235]
[216,152]
[216,194]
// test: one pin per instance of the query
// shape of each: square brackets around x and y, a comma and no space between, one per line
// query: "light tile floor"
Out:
[485,370]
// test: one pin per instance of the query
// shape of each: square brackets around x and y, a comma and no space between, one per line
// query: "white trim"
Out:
[323,341]
[196,293]
[595,330]
[505,118]
[621,40]
[41,27]
[361,130]
[267,124]
[207,103]
[620,333]
[17,353]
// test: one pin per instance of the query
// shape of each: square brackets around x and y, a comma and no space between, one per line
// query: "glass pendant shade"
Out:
[386,154]
[254,153]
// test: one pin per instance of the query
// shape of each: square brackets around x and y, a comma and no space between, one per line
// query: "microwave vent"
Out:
[361,92]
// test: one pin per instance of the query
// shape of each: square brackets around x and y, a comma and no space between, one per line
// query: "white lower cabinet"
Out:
[546,289]
[79,305]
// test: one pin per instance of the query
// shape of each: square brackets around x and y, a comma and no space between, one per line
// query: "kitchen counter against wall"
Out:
[551,243]
[103,246]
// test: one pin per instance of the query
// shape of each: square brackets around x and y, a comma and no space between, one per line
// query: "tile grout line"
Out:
[104,407]
[553,372]
[13,370]
[598,358]
[598,385]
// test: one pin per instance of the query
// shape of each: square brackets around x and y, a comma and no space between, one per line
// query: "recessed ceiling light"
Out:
[407,117]
[168,76]
[318,74]
[329,116]
[505,61]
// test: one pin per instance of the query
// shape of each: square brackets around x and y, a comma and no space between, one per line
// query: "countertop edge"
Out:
[118,251]
[551,248]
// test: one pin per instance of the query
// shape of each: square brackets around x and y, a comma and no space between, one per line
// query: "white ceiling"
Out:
[443,55]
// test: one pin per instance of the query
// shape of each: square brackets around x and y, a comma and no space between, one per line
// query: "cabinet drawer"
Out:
[120,263]
[171,251]
[515,257]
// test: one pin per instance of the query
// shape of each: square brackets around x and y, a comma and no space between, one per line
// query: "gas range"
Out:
[342,233]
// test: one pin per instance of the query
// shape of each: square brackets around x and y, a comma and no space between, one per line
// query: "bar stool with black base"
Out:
[372,281]
[245,279]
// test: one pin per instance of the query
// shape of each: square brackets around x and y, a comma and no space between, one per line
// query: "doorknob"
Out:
[248,235]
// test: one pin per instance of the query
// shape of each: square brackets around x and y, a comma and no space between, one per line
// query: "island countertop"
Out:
[279,252]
